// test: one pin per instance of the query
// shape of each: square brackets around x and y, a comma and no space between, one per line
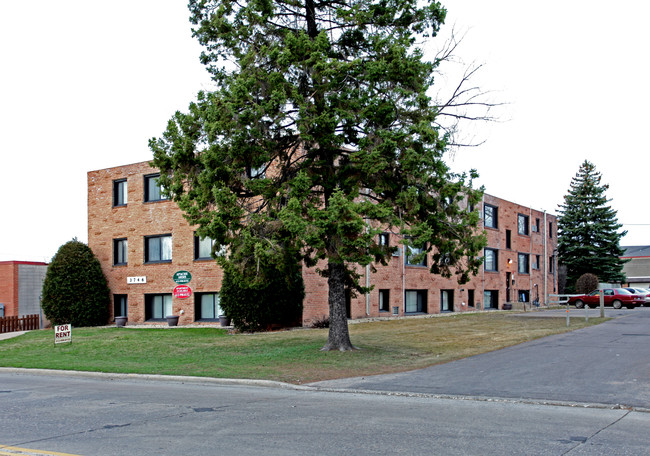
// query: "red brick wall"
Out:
[9,287]
[134,221]
[138,219]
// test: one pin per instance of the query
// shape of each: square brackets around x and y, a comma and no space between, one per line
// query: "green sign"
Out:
[182,277]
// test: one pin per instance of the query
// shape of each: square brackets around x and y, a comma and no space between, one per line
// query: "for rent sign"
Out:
[62,333]
[182,291]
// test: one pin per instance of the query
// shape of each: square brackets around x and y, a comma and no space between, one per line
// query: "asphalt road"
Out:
[604,364]
[554,396]
[108,416]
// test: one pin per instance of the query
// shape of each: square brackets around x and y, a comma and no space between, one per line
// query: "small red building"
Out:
[21,283]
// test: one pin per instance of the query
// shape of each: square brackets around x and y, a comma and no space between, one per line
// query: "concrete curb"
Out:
[153,377]
[290,386]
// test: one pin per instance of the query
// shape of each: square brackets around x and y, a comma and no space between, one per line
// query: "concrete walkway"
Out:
[9,335]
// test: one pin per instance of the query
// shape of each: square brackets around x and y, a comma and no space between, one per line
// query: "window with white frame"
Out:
[158,249]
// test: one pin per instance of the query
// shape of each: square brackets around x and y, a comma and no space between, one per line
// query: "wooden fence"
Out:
[15,323]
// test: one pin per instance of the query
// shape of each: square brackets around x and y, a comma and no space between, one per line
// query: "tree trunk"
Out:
[339,337]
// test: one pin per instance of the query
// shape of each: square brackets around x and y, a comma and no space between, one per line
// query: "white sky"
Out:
[84,85]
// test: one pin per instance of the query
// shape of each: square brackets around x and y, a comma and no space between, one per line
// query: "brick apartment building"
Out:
[21,283]
[145,245]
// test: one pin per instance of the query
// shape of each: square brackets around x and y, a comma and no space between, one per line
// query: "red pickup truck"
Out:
[615,297]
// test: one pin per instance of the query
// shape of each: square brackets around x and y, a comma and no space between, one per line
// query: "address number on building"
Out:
[141,279]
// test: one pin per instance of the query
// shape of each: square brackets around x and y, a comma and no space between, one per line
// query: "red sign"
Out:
[182,291]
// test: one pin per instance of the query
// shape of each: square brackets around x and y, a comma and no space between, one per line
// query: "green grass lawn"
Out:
[290,356]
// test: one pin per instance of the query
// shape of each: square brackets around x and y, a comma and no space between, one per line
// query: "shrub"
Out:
[256,305]
[75,289]
[586,283]
[320,323]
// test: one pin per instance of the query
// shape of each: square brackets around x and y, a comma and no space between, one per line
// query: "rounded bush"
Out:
[586,283]
[75,289]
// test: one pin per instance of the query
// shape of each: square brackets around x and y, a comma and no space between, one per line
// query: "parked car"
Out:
[641,291]
[615,297]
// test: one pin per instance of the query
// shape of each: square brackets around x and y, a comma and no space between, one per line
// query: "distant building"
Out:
[21,283]
[142,241]
[637,270]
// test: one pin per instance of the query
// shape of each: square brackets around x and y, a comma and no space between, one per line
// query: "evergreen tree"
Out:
[75,289]
[588,240]
[319,136]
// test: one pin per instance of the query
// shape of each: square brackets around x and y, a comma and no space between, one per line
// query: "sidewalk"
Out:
[9,335]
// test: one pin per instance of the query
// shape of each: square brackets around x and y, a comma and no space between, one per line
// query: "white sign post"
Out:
[62,334]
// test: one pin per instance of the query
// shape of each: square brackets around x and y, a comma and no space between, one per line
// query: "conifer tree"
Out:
[321,134]
[589,236]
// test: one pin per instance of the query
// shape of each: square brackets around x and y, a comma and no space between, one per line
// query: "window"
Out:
[158,306]
[446,300]
[536,259]
[152,190]
[508,239]
[490,260]
[536,226]
[203,248]
[522,224]
[491,299]
[120,308]
[257,172]
[384,242]
[384,239]
[415,256]
[490,216]
[551,261]
[158,249]
[524,263]
[119,192]
[524,296]
[384,301]
[119,252]
[207,306]
[416,301]
[550,230]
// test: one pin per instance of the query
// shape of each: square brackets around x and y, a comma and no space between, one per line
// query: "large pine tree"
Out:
[320,135]
[589,232]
